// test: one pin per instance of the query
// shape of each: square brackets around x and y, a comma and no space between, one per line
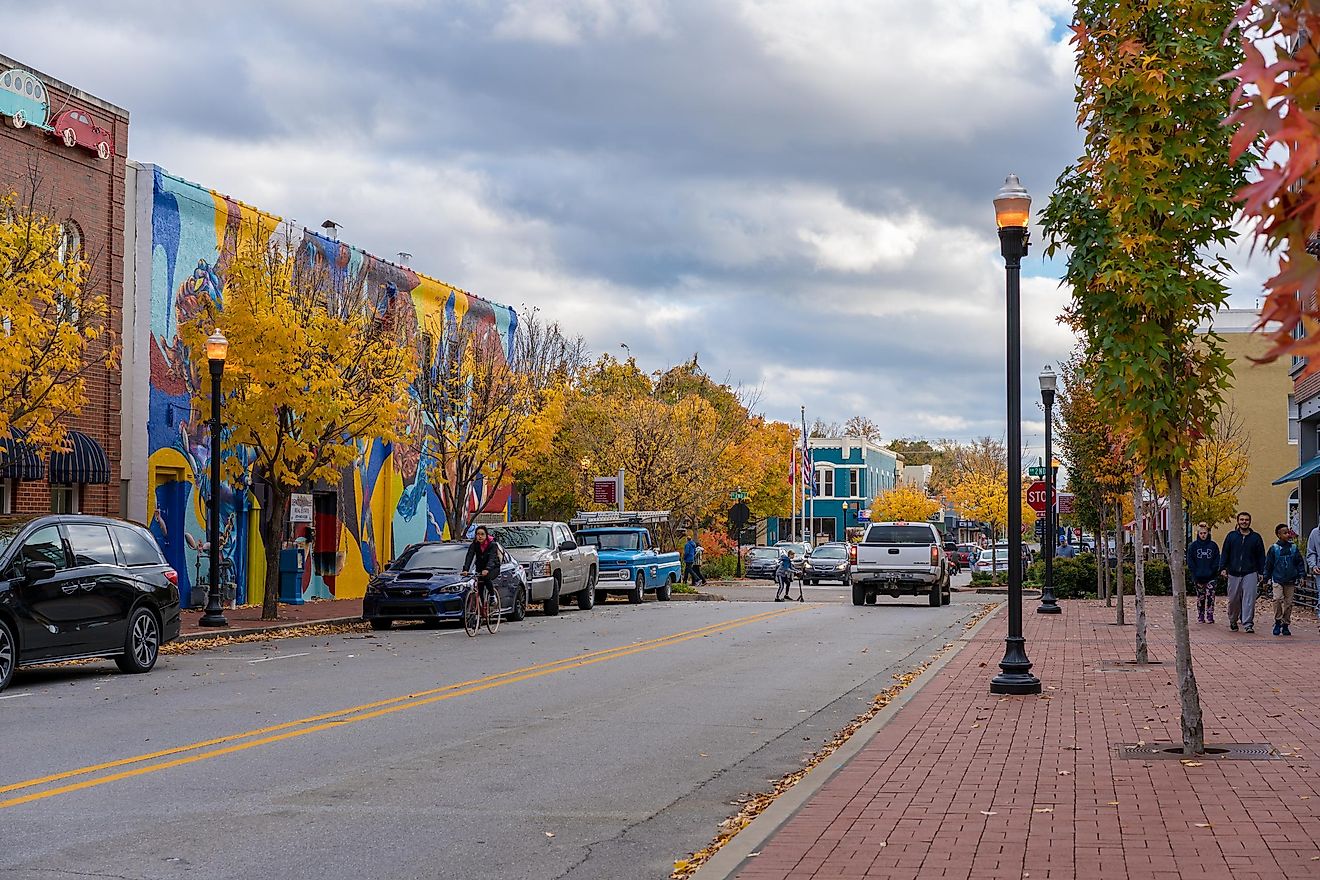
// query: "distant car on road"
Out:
[828,562]
[966,554]
[763,562]
[991,560]
[901,558]
[801,553]
[74,586]
[77,129]
[426,583]
[554,564]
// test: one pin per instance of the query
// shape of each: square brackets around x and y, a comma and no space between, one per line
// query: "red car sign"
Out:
[77,129]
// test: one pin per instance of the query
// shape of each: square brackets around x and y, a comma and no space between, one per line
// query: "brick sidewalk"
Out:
[247,618]
[962,784]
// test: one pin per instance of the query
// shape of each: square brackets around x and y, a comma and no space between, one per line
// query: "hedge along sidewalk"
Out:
[963,784]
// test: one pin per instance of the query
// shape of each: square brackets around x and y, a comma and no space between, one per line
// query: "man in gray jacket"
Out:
[1313,563]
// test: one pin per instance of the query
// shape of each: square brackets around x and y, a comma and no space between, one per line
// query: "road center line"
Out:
[341,717]
[282,657]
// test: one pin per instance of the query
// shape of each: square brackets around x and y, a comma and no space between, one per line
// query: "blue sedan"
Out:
[426,583]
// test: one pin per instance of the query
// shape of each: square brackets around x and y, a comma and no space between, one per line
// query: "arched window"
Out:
[71,241]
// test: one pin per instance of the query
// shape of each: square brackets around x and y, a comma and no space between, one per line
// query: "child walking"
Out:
[1284,566]
[1203,563]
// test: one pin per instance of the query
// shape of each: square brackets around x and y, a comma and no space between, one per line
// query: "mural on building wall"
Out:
[382,503]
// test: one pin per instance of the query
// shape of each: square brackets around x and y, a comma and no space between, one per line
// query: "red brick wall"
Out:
[76,185]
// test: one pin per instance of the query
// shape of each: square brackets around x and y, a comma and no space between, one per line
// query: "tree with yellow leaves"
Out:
[979,486]
[1217,470]
[54,328]
[904,502]
[313,367]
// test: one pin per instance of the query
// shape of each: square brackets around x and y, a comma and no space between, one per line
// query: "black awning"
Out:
[18,460]
[84,462]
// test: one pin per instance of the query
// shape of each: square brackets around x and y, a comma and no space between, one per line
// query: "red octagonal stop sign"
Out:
[1036,496]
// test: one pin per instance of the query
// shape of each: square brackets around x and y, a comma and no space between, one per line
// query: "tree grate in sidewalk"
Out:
[1111,665]
[1154,751]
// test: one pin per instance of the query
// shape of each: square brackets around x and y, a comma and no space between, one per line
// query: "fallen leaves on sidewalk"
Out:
[1043,810]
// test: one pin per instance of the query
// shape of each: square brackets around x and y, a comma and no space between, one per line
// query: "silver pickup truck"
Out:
[555,564]
[901,558]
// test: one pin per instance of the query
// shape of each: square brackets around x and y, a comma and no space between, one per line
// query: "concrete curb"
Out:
[733,855]
[696,597]
[230,632]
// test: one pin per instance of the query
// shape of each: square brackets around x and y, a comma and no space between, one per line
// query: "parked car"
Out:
[901,558]
[74,586]
[630,563]
[801,553]
[426,582]
[763,562]
[554,564]
[828,562]
[77,129]
[967,554]
[990,561]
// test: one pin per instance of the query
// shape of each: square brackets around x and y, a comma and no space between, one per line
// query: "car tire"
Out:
[103,150]
[948,596]
[519,609]
[588,597]
[937,594]
[551,603]
[69,137]
[8,653]
[141,643]
[381,623]
[638,592]
[662,592]
[18,120]
[859,594]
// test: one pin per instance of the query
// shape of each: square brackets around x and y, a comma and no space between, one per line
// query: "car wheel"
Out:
[142,644]
[8,654]
[551,604]
[638,592]
[103,150]
[859,594]
[380,623]
[70,139]
[948,596]
[18,120]
[662,592]
[519,609]
[586,598]
[937,594]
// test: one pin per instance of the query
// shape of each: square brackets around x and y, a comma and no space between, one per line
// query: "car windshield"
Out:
[763,553]
[523,537]
[609,540]
[444,557]
[900,535]
[830,552]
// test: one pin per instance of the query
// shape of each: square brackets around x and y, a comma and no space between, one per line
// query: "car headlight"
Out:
[457,587]
[375,588]
[841,566]
[542,569]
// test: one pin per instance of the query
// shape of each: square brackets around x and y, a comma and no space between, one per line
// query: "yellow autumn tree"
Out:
[314,365]
[1217,470]
[903,502]
[54,328]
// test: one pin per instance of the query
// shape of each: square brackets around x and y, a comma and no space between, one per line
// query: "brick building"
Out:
[75,144]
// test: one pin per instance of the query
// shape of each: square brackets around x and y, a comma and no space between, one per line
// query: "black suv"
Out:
[76,586]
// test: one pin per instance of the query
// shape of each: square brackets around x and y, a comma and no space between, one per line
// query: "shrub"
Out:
[720,567]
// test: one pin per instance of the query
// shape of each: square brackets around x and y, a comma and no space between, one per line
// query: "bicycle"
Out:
[482,605]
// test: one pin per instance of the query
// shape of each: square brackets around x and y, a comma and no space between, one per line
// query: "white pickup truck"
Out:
[901,558]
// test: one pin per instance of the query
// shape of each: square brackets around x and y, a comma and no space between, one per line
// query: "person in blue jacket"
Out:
[1285,567]
[1243,561]
[1203,563]
[689,559]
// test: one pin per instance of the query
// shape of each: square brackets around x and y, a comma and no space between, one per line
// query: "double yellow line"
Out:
[165,759]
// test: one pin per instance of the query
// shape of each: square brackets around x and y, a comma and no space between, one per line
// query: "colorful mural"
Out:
[381,504]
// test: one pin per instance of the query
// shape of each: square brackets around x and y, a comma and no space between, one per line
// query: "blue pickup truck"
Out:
[629,563]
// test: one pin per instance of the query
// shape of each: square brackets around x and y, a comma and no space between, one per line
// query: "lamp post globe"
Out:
[217,349]
[1049,383]
[1012,213]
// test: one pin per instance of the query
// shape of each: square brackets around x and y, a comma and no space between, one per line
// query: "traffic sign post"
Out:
[1036,496]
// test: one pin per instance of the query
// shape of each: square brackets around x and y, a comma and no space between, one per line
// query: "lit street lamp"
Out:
[1049,383]
[1012,211]
[216,349]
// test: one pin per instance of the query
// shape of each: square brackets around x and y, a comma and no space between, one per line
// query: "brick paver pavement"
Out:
[962,784]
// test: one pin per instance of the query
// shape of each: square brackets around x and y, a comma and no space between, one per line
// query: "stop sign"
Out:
[1036,496]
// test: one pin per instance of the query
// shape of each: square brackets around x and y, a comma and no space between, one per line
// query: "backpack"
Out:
[1287,568]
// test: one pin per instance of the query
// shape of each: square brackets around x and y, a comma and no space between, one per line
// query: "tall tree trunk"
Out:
[1139,566]
[1118,561]
[1193,730]
[1101,554]
[273,534]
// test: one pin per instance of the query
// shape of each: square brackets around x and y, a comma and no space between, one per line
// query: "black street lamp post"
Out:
[1012,212]
[1049,383]
[216,349]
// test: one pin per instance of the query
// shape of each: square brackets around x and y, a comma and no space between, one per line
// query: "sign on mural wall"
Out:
[300,508]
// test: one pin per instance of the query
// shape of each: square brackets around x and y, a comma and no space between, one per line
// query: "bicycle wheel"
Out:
[493,611]
[471,613]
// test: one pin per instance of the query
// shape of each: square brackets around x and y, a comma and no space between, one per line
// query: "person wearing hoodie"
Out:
[1203,563]
[1285,567]
[483,559]
[1243,561]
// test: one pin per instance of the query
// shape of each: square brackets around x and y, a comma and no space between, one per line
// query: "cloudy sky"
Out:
[797,191]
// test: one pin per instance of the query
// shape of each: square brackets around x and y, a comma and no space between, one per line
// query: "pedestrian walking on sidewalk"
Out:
[689,558]
[1243,561]
[698,579]
[1284,566]
[1313,563]
[1203,563]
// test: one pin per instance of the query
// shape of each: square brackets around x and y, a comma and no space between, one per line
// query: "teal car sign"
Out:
[24,99]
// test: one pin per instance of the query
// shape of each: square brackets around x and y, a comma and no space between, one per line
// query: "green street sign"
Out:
[1037,471]
[738,496]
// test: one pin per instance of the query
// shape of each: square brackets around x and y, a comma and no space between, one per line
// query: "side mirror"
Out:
[568,545]
[39,571]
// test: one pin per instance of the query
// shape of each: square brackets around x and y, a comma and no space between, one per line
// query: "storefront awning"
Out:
[84,462]
[1308,469]
[18,460]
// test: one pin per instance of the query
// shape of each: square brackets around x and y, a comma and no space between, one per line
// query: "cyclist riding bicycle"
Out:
[484,552]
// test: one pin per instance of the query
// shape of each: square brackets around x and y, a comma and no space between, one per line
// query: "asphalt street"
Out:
[597,744]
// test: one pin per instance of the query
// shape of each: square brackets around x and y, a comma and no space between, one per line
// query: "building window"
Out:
[854,482]
[7,488]
[1298,332]
[826,481]
[1294,425]
[70,242]
[65,498]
